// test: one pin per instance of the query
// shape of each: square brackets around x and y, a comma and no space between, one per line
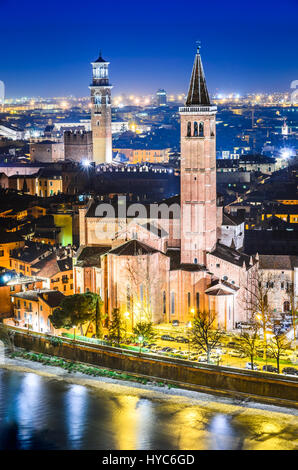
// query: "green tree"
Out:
[144,329]
[74,311]
[116,327]
[203,334]
[248,342]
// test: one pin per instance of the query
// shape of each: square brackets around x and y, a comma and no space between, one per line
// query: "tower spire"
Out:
[198,93]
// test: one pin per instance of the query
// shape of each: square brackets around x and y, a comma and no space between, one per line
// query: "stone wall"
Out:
[207,377]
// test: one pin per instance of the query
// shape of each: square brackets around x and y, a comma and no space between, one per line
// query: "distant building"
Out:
[145,155]
[11,132]
[161,97]
[78,145]
[46,151]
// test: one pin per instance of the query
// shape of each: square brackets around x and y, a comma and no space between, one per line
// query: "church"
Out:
[165,261]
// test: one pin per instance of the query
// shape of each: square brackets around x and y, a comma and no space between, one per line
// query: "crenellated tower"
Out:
[101,111]
[198,170]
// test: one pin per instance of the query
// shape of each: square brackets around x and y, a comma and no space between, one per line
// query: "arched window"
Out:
[212,129]
[195,261]
[201,130]
[188,300]
[172,303]
[198,302]
[189,129]
[97,99]
[195,129]
[286,306]
[128,298]
[164,303]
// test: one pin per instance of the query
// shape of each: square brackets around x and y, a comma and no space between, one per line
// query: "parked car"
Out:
[248,366]
[290,371]
[175,323]
[193,357]
[270,368]
[167,338]
[181,339]
[234,353]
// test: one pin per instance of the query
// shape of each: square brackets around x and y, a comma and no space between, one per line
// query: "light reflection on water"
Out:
[39,413]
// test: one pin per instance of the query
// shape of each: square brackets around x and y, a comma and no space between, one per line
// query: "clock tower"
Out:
[101,111]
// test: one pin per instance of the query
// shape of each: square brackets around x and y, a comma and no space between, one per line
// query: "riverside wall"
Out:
[192,375]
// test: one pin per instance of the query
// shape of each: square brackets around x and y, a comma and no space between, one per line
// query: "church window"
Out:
[201,130]
[97,123]
[195,129]
[195,261]
[172,303]
[188,300]
[225,278]
[189,129]
[128,298]
[198,301]
[164,305]
[141,292]
[286,306]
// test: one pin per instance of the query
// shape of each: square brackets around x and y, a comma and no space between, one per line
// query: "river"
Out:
[38,412]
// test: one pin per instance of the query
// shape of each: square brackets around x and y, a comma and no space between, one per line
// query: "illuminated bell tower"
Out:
[198,170]
[101,111]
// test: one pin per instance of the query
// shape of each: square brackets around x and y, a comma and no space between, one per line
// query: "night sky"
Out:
[46,47]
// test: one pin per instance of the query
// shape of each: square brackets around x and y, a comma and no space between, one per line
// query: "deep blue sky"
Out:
[46,47]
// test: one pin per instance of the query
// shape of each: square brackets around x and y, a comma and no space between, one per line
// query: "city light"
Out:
[287,153]
[86,163]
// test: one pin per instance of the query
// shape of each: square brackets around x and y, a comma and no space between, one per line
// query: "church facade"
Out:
[167,261]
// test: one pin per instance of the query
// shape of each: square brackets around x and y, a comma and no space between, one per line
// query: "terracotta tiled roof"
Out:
[133,248]
[286,262]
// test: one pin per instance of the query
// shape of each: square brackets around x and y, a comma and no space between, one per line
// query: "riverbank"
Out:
[122,387]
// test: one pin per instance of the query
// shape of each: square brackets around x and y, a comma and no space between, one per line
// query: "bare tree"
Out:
[248,344]
[145,288]
[259,311]
[276,346]
[293,307]
[203,334]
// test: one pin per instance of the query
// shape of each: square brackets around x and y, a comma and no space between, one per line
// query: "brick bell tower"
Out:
[198,170]
[101,111]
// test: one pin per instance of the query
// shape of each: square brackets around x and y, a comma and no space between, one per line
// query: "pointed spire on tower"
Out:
[198,93]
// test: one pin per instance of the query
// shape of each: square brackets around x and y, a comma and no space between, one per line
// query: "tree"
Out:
[293,307]
[248,344]
[144,329]
[203,334]
[277,345]
[116,328]
[74,311]
[260,314]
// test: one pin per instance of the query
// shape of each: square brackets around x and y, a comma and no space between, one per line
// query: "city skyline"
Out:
[154,49]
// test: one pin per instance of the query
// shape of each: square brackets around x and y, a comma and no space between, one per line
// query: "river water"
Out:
[38,412]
